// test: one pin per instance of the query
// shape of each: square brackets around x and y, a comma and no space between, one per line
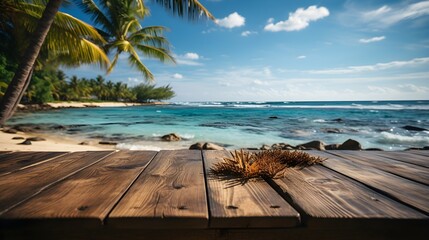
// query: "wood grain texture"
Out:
[170,193]
[17,160]
[331,200]
[89,195]
[21,185]
[403,169]
[420,152]
[393,186]
[252,205]
[4,152]
[408,157]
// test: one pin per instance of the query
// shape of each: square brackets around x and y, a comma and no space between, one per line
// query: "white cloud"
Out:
[388,15]
[267,72]
[131,82]
[177,76]
[191,55]
[301,57]
[247,33]
[375,67]
[370,40]
[233,20]
[298,20]
[270,20]
[259,82]
[413,88]
[189,59]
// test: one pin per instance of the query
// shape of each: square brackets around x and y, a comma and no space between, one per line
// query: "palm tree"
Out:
[64,41]
[191,8]
[119,24]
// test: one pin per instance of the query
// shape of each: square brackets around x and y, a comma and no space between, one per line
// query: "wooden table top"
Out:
[172,194]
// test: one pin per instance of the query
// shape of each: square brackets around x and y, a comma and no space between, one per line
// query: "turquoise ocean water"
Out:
[243,124]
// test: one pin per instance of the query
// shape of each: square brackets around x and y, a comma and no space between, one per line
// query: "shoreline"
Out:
[75,104]
[52,142]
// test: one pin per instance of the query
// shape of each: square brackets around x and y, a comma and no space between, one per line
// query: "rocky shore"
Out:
[33,133]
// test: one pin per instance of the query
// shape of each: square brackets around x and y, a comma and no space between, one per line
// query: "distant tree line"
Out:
[49,85]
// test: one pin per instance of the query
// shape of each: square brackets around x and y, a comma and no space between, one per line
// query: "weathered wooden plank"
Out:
[17,160]
[87,196]
[403,169]
[170,193]
[419,152]
[406,156]
[331,200]
[21,185]
[254,204]
[407,191]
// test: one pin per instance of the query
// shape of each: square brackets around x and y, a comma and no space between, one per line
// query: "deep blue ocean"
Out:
[375,124]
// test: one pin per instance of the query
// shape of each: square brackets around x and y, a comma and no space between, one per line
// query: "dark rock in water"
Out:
[374,149]
[282,146]
[84,143]
[412,128]
[10,130]
[426,148]
[107,143]
[172,137]
[205,146]
[17,138]
[332,146]
[36,139]
[413,148]
[212,146]
[265,147]
[350,145]
[300,148]
[24,128]
[273,117]
[318,145]
[196,146]
[74,130]
[331,130]
[26,142]
[338,120]
[59,127]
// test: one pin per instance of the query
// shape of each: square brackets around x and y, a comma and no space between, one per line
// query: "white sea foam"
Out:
[374,106]
[319,120]
[187,136]
[390,138]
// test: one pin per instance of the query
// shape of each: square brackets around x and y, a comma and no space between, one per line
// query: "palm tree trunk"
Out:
[18,82]
[21,94]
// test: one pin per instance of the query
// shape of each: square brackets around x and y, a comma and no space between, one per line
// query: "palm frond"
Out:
[135,62]
[97,15]
[156,53]
[113,64]
[193,9]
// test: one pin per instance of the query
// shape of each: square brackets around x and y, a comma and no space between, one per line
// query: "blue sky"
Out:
[290,50]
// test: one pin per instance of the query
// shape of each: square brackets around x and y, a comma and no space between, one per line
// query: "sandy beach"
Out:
[54,142]
[73,104]
[51,143]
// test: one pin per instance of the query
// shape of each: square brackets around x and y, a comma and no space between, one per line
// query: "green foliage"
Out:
[147,93]
[6,73]
[52,85]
